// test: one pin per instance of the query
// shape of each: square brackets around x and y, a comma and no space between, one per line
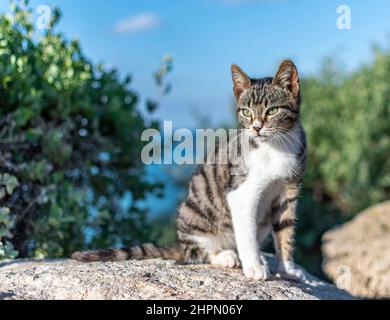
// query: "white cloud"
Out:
[139,23]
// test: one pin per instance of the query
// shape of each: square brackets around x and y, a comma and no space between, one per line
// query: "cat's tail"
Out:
[138,252]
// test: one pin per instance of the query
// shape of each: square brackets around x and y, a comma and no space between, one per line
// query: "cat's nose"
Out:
[257,125]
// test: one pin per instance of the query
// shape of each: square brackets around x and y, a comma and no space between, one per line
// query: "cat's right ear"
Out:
[240,80]
[287,77]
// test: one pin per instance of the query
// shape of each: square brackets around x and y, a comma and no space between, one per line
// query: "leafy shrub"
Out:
[347,121]
[71,173]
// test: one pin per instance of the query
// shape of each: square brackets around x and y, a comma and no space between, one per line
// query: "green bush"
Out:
[71,174]
[347,121]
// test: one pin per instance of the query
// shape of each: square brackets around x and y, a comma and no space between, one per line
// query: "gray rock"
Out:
[356,255]
[148,279]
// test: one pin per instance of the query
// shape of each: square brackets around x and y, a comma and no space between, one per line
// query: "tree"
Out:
[71,175]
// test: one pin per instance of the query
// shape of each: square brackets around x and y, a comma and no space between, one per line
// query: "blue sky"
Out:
[206,36]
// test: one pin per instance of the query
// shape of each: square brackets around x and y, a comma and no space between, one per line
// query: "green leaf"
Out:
[33,134]
[2,193]
[10,182]
[23,115]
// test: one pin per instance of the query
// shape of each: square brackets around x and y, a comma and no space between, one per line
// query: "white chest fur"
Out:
[267,167]
[269,163]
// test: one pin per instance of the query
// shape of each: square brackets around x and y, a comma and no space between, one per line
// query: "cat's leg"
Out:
[243,207]
[283,223]
[193,253]
[263,232]
[225,259]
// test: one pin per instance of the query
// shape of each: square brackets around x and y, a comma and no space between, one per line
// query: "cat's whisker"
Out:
[278,137]
[241,132]
[299,141]
[294,136]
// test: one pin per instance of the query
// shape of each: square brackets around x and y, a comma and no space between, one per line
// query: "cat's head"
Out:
[269,106]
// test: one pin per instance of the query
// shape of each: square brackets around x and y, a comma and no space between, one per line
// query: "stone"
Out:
[147,279]
[356,255]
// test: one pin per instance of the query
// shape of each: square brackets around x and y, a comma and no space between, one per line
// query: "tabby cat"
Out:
[226,216]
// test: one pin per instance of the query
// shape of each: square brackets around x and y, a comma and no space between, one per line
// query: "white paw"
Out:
[258,272]
[290,271]
[226,259]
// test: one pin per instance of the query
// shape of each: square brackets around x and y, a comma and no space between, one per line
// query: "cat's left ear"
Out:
[240,80]
[287,77]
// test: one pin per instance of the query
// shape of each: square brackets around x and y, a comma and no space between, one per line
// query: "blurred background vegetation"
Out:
[69,147]
[71,176]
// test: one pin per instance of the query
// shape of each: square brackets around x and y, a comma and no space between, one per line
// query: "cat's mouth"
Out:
[261,137]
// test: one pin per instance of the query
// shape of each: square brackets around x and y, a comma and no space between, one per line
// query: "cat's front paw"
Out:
[257,272]
[290,271]
[226,259]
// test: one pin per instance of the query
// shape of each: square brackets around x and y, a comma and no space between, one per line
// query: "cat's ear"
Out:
[240,80]
[287,77]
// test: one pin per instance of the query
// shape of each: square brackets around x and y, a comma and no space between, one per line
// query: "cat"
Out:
[225,217]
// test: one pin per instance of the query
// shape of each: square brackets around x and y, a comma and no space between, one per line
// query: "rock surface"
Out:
[149,279]
[356,256]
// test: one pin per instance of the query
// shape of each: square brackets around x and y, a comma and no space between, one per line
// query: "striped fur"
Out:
[143,251]
[212,222]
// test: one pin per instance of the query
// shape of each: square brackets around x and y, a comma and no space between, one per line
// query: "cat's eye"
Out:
[246,113]
[272,111]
